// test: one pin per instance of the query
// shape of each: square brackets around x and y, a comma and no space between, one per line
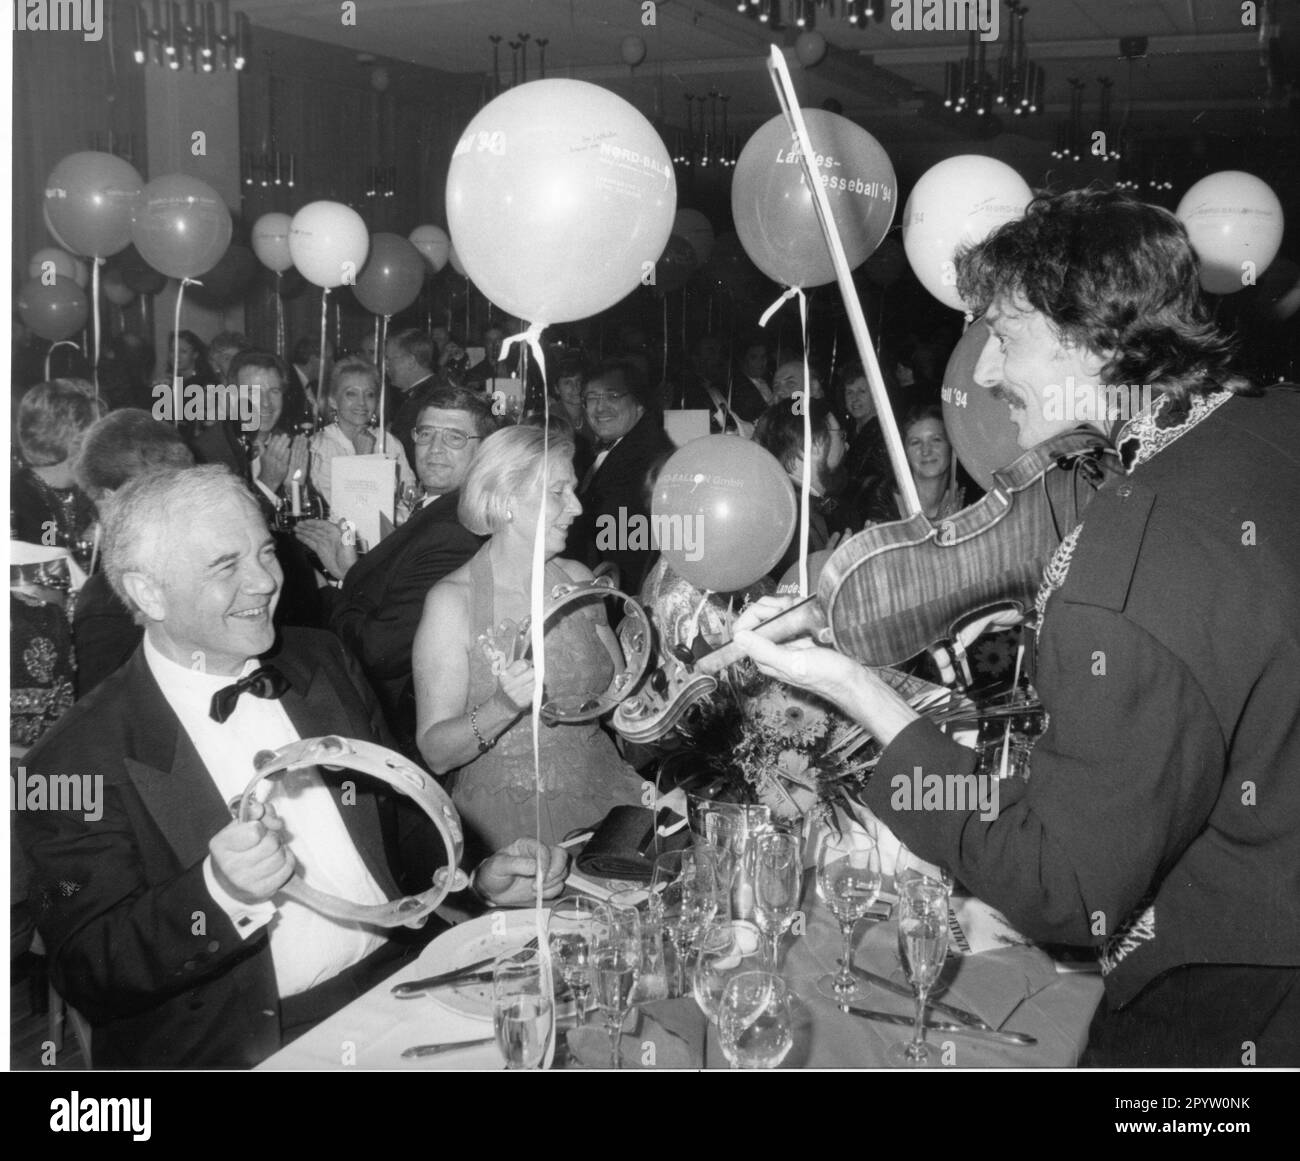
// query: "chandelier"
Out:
[176,35]
[969,88]
[706,146]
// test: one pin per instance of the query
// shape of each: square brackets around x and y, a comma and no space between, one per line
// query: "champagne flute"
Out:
[652,981]
[754,1023]
[848,876]
[774,858]
[569,933]
[684,895]
[922,946]
[615,966]
[522,1009]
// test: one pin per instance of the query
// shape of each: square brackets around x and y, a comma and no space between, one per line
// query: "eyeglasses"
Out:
[603,397]
[453,437]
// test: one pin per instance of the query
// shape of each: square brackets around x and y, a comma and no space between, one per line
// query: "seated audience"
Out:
[163,919]
[934,469]
[472,695]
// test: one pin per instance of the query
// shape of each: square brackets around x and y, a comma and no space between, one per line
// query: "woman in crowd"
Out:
[570,381]
[934,469]
[45,505]
[473,691]
[352,399]
[191,359]
[122,445]
[780,429]
[866,461]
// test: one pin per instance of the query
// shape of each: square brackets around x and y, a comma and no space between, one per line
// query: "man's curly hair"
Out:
[1115,275]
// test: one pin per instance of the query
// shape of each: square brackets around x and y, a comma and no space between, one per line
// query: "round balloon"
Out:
[89,200]
[956,204]
[270,240]
[773,205]
[581,184]
[724,511]
[979,426]
[329,243]
[181,226]
[632,49]
[115,288]
[434,245]
[52,261]
[138,274]
[392,276]
[55,312]
[697,230]
[810,47]
[675,266]
[1232,218]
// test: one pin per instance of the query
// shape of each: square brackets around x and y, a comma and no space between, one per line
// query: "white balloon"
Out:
[270,240]
[1232,218]
[434,245]
[328,242]
[956,204]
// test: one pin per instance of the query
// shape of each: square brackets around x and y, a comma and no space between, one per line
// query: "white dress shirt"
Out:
[306,947]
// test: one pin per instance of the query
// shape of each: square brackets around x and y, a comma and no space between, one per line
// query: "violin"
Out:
[896,589]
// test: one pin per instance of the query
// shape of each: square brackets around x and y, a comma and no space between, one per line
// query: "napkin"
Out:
[623,848]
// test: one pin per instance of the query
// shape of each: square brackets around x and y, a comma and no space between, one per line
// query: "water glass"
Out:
[523,1011]
[754,1022]
[726,950]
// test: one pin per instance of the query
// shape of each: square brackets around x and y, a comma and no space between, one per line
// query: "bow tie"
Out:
[264,682]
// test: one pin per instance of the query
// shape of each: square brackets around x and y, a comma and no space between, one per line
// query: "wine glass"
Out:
[922,945]
[848,877]
[615,966]
[652,980]
[684,896]
[522,1009]
[774,858]
[569,934]
[754,1024]
[726,950]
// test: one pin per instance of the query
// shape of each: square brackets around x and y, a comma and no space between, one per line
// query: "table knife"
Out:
[470,972]
[1017,1038]
[960,1015]
[437,1049]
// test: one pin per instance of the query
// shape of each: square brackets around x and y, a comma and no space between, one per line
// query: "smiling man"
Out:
[630,438]
[1161,817]
[161,918]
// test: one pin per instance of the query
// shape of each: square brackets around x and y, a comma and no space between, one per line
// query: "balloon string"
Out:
[537,589]
[380,344]
[805,502]
[279,314]
[176,348]
[663,377]
[94,308]
[786,296]
[324,339]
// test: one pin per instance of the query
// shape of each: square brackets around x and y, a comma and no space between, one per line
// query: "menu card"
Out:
[363,489]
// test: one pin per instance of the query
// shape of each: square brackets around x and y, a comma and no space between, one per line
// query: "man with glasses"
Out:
[383,592]
[630,440]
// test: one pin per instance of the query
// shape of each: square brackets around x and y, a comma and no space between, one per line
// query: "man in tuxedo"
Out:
[160,914]
[383,592]
[614,492]
[408,357]
[302,396]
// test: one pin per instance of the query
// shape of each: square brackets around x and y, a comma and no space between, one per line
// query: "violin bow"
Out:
[776,66]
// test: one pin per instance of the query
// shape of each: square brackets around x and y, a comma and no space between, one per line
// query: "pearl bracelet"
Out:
[483,745]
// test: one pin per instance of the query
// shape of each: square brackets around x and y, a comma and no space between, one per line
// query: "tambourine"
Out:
[397,772]
[635,638]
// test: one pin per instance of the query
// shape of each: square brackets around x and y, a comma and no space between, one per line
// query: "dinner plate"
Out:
[487,936]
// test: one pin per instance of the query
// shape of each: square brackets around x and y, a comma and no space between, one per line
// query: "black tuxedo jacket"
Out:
[619,483]
[135,941]
[382,600]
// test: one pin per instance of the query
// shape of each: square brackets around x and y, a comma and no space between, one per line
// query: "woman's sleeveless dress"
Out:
[582,775]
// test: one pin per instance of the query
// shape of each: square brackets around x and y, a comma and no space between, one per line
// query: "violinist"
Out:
[1160,819]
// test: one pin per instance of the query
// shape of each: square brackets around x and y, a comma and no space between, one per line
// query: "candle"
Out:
[295,496]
